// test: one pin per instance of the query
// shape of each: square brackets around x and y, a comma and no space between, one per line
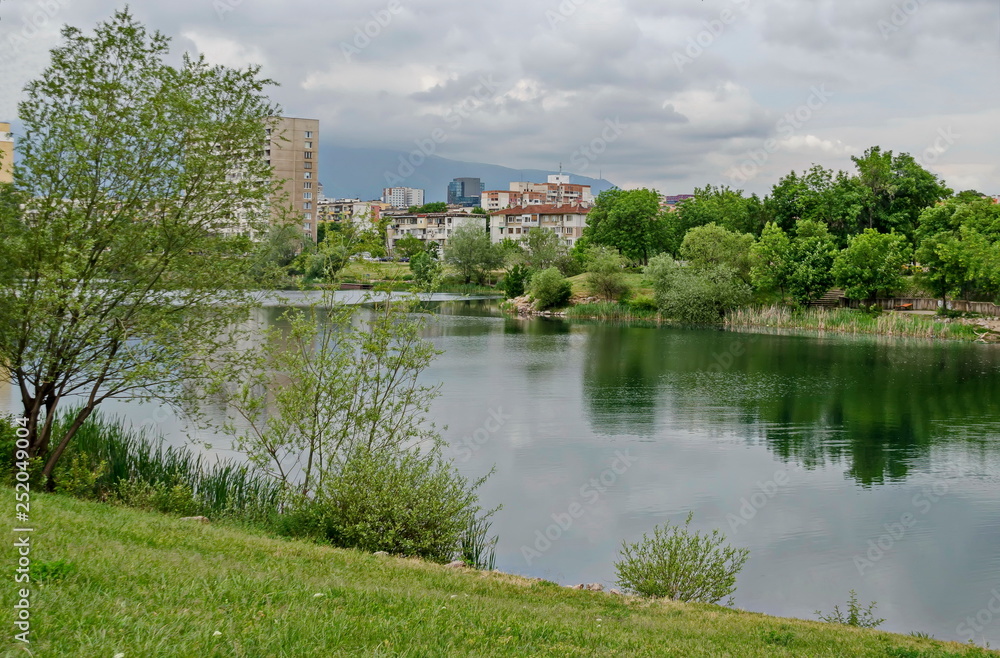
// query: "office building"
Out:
[467,192]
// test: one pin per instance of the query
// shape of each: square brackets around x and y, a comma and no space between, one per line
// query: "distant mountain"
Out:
[362,173]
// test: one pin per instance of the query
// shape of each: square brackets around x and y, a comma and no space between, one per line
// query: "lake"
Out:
[842,463]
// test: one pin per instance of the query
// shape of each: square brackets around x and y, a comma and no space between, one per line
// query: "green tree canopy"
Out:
[872,262]
[470,251]
[125,268]
[630,221]
[771,260]
[711,245]
[812,252]
[434,206]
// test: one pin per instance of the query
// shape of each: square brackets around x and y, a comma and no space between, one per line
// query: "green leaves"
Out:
[678,564]
[871,263]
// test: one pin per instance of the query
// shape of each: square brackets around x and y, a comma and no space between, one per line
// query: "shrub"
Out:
[550,289]
[514,282]
[605,276]
[643,303]
[856,614]
[681,565]
[177,498]
[425,268]
[697,296]
[410,503]
[79,478]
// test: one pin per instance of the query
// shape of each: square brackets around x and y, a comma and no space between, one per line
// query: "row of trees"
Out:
[818,229]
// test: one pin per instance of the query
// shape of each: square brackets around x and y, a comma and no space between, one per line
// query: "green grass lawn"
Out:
[144,585]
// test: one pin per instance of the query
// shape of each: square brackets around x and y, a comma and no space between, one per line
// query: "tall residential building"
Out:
[402,197]
[558,190]
[466,192]
[293,151]
[6,154]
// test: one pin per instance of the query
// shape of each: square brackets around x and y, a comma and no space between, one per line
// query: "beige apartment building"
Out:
[293,152]
[6,154]
[565,221]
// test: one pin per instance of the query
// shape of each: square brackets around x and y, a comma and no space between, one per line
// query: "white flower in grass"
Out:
[318,594]
[119,655]
[217,633]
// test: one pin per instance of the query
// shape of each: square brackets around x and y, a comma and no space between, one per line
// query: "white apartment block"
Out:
[402,197]
[565,221]
[558,190]
[432,227]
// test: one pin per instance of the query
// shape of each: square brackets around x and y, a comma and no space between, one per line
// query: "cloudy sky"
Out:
[670,94]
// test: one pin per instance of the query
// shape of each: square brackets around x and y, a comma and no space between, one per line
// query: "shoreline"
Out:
[843,321]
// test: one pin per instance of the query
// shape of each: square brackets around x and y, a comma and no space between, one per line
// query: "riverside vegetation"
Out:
[115,580]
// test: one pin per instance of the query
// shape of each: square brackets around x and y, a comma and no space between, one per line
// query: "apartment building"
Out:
[292,150]
[558,190]
[431,227]
[6,154]
[402,197]
[499,199]
[564,220]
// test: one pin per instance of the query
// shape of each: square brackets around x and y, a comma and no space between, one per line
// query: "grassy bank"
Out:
[850,321]
[120,581]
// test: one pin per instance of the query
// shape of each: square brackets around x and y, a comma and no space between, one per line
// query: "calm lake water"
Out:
[841,463]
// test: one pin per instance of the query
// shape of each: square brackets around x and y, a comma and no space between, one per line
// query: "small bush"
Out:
[169,499]
[643,303]
[80,478]
[678,564]
[550,289]
[515,281]
[856,614]
[696,296]
[413,504]
[605,275]
[425,268]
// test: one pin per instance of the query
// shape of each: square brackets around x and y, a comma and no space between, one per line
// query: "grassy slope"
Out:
[150,585]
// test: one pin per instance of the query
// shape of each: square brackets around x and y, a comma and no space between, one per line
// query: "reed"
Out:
[850,321]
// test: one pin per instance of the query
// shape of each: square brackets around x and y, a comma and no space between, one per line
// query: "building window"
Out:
[307,165]
[308,155]
[308,215]
[309,134]
[309,145]
[307,186]
[308,175]
[307,205]
[307,195]
[307,227]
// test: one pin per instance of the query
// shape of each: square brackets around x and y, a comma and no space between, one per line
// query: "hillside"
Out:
[361,173]
[138,584]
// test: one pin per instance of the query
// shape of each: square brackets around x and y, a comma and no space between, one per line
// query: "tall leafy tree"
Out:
[470,251]
[630,221]
[124,268]
[771,260]
[872,262]
[812,252]
[723,206]
[958,247]
[710,245]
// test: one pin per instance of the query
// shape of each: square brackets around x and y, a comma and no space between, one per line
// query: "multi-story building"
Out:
[466,192]
[558,190]
[6,154]
[565,221]
[402,197]
[431,227]
[292,150]
[500,199]
[349,210]
[670,202]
